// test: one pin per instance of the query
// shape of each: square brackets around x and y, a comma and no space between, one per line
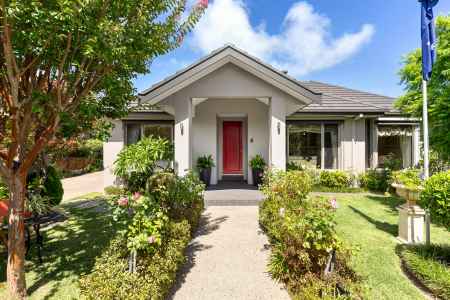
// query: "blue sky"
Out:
[354,43]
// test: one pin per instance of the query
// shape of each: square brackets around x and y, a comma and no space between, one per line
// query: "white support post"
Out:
[277,132]
[426,152]
[183,136]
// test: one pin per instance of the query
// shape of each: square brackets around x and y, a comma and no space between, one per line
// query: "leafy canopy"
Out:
[438,89]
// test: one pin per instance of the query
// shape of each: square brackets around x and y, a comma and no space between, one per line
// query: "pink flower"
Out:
[334,203]
[122,201]
[281,212]
[136,196]
[151,239]
[202,3]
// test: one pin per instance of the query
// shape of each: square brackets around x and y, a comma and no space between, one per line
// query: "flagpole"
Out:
[426,147]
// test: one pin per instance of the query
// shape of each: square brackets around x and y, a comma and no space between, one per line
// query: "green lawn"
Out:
[370,223]
[70,249]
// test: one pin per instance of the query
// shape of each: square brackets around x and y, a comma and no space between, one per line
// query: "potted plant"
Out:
[407,185]
[257,164]
[204,165]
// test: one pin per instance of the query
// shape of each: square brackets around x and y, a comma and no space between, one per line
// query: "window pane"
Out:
[331,146]
[164,131]
[304,145]
[133,133]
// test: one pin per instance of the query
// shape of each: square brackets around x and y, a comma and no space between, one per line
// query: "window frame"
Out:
[142,123]
[322,124]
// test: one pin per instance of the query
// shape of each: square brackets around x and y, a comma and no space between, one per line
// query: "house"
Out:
[234,106]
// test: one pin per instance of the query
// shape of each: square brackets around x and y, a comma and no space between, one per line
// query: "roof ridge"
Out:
[350,89]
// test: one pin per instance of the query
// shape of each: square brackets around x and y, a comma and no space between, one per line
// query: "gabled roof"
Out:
[340,99]
[217,59]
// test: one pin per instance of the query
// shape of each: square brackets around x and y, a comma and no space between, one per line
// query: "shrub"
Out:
[205,162]
[430,265]
[257,162]
[155,273]
[137,162]
[335,179]
[436,197]
[375,180]
[53,188]
[293,166]
[303,236]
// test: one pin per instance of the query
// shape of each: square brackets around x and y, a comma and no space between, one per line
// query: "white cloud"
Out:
[305,43]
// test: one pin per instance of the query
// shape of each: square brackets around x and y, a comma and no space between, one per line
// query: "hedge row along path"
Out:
[227,259]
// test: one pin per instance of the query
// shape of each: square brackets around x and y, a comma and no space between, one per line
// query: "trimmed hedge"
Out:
[429,264]
[155,274]
[335,179]
[375,180]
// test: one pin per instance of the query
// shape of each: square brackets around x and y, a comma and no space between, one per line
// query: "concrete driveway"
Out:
[81,185]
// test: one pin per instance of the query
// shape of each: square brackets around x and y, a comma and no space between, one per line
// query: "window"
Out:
[313,144]
[136,130]
[395,143]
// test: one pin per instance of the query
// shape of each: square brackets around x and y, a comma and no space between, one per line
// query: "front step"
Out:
[232,202]
[239,178]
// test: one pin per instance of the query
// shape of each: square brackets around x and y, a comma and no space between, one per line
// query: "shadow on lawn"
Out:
[391,202]
[70,248]
[206,226]
[384,226]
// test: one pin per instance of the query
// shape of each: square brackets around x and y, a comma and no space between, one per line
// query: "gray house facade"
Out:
[233,106]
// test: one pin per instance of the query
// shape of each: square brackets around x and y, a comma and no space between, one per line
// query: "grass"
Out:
[69,251]
[369,222]
[430,264]
[325,189]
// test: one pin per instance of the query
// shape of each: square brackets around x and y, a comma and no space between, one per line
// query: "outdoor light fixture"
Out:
[279,128]
[182,128]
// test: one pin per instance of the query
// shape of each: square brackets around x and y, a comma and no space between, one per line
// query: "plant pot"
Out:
[410,195]
[257,176]
[205,176]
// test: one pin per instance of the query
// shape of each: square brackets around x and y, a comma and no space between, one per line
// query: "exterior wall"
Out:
[111,149]
[207,135]
[353,145]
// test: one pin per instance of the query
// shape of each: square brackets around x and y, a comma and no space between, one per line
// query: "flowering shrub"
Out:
[141,221]
[303,237]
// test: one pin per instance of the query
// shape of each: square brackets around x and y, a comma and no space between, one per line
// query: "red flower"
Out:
[203,3]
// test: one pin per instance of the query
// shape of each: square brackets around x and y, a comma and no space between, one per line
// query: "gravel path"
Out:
[81,185]
[227,259]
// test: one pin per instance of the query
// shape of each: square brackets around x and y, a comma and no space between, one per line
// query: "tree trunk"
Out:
[16,238]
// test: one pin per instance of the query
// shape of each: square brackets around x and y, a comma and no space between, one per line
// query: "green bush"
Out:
[335,179]
[430,265]
[302,232]
[113,190]
[257,162]
[137,162]
[436,197]
[53,188]
[155,273]
[375,180]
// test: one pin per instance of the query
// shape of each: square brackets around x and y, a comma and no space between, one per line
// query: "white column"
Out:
[277,131]
[374,145]
[183,135]
[111,149]
[416,146]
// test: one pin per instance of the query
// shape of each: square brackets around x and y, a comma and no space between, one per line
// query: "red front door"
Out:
[232,147]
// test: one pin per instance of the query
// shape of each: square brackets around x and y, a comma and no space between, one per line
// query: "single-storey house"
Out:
[233,106]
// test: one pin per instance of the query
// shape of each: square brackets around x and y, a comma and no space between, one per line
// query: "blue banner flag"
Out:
[429,42]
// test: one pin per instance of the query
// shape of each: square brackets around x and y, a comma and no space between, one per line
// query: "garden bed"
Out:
[430,266]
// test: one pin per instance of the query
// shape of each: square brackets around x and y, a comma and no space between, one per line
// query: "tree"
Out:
[438,89]
[62,60]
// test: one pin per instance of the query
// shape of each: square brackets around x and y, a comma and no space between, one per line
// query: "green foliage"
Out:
[408,177]
[335,179]
[436,197]
[113,190]
[155,273]
[303,234]
[293,166]
[205,162]
[53,188]
[137,162]
[438,89]
[392,162]
[375,180]
[430,265]
[4,192]
[257,162]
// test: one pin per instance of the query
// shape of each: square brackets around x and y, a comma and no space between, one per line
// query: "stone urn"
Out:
[411,195]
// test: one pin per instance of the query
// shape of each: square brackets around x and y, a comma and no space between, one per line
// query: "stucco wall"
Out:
[110,150]
[207,130]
